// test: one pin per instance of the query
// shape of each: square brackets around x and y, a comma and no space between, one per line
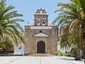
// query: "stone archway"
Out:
[41,47]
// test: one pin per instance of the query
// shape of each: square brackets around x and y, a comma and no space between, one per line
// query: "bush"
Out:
[60,53]
[69,54]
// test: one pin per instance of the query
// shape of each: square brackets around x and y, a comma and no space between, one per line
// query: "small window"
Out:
[43,22]
[38,21]
[40,31]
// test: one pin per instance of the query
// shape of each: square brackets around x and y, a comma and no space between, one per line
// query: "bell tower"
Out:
[41,18]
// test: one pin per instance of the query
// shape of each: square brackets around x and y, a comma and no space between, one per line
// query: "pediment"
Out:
[40,35]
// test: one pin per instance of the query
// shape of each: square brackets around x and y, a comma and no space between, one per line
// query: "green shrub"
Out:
[60,53]
[69,54]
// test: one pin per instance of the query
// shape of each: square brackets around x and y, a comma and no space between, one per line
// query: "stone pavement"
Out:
[38,54]
[38,60]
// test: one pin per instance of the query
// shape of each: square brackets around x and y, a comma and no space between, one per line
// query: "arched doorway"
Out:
[41,47]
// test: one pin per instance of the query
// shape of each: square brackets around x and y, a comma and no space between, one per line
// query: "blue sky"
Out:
[29,7]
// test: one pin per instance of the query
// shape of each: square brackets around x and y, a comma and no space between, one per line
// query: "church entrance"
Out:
[41,47]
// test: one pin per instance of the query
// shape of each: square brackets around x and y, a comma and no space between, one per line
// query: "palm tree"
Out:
[81,4]
[64,35]
[9,23]
[72,13]
[6,44]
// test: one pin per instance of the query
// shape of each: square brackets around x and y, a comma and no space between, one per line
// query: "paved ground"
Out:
[38,60]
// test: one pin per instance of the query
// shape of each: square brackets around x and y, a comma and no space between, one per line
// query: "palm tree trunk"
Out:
[83,27]
[4,50]
[84,52]
[78,57]
[83,55]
